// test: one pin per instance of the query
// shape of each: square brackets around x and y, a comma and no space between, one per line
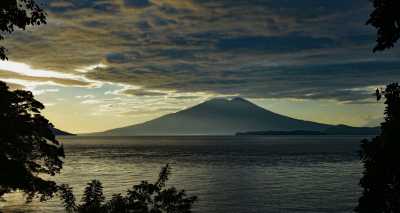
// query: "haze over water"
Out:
[228,174]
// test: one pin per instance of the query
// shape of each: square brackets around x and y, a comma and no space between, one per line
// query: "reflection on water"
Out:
[228,174]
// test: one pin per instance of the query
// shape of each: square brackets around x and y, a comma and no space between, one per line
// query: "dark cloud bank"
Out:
[311,49]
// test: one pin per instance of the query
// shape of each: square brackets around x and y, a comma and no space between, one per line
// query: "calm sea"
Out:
[228,174]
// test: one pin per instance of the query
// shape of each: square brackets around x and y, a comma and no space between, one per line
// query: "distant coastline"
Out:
[336,130]
[296,132]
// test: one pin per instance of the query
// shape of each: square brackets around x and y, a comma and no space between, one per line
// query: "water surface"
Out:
[229,174]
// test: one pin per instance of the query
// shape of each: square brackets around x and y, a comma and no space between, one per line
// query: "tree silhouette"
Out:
[386,19]
[381,159]
[68,198]
[28,148]
[143,198]
[93,197]
[16,14]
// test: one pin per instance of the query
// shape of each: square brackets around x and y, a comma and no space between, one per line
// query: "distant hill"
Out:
[334,130]
[348,130]
[295,132]
[58,132]
[221,117]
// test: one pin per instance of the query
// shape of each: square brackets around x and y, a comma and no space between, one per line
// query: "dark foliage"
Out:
[28,147]
[93,197]
[143,198]
[16,14]
[386,19]
[381,159]
[68,198]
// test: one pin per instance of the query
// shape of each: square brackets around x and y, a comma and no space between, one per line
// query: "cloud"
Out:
[115,58]
[305,49]
[44,91]
[274,44]
[141,92]
[137,3]
[91,101]
[6,76]
[23,72]
[85,96]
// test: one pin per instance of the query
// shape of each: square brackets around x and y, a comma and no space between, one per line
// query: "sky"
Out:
[102,64]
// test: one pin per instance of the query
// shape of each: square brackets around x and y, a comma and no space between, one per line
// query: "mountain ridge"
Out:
[218,116]
[58,132]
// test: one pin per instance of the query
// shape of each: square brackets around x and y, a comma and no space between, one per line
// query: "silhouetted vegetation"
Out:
[386,19]
[143,198]
[28,148]
[381,158]
[16,14]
